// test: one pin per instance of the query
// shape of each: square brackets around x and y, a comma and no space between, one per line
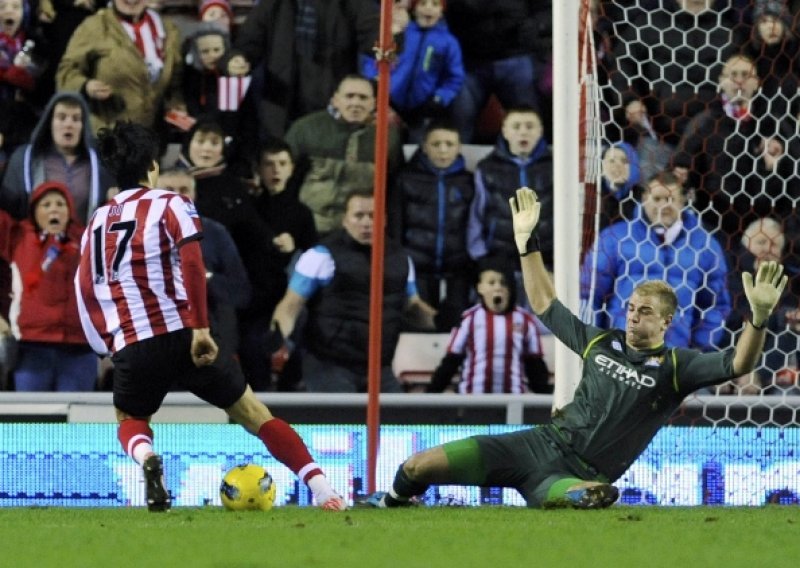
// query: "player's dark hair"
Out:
[128,151]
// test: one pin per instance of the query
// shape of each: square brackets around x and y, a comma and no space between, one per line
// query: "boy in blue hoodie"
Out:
[428,72]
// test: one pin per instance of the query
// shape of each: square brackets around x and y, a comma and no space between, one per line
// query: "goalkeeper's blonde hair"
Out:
[661,290]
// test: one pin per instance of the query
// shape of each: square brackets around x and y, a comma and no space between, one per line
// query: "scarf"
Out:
[148,36]
[738,110]
[51,246]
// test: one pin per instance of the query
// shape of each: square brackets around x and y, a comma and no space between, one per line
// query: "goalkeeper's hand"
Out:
[764,293]
[525,215]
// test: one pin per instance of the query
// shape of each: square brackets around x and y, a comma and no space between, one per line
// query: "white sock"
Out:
[141,452]
[321,488]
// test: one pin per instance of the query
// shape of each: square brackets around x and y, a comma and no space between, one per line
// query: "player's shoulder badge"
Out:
[191,210]
[654,361]
[616,345]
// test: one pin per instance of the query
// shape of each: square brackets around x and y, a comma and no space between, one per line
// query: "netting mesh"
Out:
[696,110]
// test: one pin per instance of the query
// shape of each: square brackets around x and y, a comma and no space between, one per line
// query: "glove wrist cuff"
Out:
[530,245]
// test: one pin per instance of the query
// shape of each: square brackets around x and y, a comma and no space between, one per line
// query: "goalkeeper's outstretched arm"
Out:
[763,294]
[525,215]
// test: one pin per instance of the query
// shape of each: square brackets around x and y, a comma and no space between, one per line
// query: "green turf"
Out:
[421,537]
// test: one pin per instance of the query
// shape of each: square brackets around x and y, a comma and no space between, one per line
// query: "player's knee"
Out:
[249,412]
[415,467]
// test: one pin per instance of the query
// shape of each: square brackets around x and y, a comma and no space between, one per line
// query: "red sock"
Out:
[288,448]
[133,432]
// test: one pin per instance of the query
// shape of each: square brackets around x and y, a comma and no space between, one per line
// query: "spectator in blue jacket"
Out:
[665,241]
[428,73]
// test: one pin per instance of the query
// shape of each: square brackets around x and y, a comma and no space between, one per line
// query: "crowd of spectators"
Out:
[273,105]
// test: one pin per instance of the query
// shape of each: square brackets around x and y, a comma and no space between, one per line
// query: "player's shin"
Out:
[285,444]
[403,488]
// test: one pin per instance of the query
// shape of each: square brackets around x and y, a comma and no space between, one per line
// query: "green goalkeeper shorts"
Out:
[528,461]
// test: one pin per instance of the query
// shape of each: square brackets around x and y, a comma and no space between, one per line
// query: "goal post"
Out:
[567,196]
[700,91]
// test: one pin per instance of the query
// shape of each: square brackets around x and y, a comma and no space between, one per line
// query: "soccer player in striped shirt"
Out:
[497,345]
[141,290]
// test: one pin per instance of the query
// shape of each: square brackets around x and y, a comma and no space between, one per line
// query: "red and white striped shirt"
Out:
[495,346]
[130,284]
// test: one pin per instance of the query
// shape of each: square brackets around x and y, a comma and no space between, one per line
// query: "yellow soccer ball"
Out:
[247,487]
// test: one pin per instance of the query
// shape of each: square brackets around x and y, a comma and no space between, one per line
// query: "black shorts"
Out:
[145,371]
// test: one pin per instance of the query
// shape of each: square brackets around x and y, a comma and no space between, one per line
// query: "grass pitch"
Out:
[422,537]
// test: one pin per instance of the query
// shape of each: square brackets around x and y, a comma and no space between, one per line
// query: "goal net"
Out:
[691,161]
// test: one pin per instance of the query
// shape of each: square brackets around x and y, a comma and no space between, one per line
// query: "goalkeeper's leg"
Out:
[457,463]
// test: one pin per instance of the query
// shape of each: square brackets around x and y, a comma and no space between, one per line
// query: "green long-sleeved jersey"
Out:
[625,395]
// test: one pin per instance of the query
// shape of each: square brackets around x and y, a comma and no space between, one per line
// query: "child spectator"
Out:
[497,344]
[207,88]
[44,253]
[435,192]
[428,73]
[521,158]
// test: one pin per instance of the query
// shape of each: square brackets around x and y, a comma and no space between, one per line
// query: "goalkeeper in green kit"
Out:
[631,384]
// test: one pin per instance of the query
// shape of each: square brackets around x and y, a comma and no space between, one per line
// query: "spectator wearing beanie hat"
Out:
[217,11]
[773,47]
[775,8]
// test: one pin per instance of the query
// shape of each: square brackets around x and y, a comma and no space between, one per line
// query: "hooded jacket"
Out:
[429,66]
[26,168]
[44,307]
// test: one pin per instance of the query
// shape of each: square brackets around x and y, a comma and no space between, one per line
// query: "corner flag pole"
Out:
[384,53]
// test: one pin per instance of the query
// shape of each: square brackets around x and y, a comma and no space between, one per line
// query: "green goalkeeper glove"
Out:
[764,294]
[525,210]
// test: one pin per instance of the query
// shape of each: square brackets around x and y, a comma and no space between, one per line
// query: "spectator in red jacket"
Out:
[43,251]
